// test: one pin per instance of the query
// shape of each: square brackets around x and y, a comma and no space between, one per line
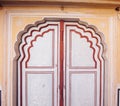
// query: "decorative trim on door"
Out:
[90,45]
[31,45]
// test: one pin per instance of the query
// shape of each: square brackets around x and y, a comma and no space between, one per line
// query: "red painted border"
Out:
[95,84]
[38,72]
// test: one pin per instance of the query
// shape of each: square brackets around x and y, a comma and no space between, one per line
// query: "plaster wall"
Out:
[14,19]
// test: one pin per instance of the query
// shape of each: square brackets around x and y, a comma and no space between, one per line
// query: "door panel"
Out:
[82,89]
[38,66]
[40,89]
[83,73]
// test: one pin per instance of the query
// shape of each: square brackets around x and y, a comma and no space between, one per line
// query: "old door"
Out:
[60,63]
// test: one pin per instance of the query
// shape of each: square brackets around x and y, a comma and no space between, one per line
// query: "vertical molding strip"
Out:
[112,38]
[5,87]
[61,61]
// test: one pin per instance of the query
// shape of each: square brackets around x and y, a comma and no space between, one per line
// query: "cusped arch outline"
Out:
[91,46]
[94,34]
[31,45]
[24,35]
[85,27]
[27,33]
[99,38]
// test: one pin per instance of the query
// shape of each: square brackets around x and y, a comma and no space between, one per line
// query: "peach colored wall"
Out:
[14,19]
[1,45]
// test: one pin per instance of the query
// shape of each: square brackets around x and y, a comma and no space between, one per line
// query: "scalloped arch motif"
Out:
[50,31]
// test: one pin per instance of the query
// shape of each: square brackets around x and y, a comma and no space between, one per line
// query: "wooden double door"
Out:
[60,64]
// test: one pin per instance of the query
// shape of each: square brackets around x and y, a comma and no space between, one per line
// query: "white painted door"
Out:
[60,64]
[83,65]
